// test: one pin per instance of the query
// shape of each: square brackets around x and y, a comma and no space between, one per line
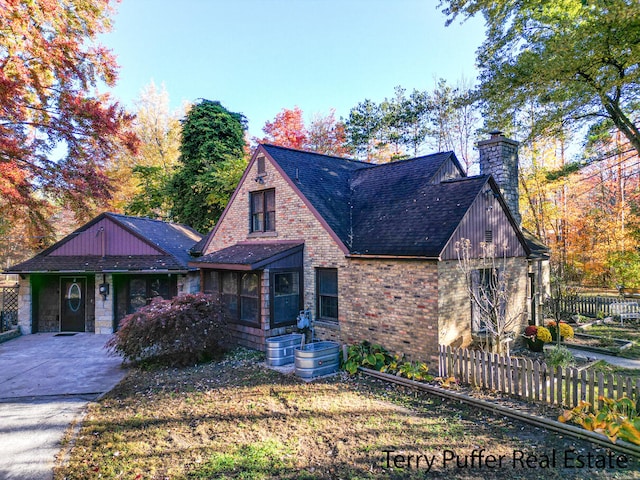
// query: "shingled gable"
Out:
[165,247]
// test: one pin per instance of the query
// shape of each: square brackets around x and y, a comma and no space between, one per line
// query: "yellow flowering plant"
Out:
[544,334]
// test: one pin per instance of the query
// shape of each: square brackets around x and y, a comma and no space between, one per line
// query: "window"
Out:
[249,298]
[141,290]
[263,211]
[287,301]
[488,300]
[229,293]
[240,295]
[327,294]
[261,169]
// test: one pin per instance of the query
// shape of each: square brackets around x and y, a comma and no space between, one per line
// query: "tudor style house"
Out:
[369,249]
[113,265]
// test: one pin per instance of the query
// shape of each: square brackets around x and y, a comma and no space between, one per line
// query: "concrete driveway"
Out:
[46,380]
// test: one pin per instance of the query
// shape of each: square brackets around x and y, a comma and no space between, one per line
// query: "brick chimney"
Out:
[499,157]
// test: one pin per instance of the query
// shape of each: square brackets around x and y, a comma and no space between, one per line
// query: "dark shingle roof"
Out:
[172,239]
[412,217]
[389,209]
[250,255]
[98,264]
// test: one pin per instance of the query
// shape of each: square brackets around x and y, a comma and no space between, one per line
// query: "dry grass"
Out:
[237,419]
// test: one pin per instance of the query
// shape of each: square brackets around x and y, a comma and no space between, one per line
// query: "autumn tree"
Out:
[142,178]
[326,135]
[577,60]
[287,129]
[56,133]
[212,158]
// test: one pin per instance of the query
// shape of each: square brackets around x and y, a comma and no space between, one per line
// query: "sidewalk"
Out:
[612,359]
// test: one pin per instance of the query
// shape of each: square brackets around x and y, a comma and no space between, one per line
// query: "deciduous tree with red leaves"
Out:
[56,130]
[287,129]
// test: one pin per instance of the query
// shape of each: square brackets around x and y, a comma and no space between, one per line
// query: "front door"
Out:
[72,304]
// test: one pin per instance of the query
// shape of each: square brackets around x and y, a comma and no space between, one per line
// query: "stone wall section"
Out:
[104,310]
[24,306]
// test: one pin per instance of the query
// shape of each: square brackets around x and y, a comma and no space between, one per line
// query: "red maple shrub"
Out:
[185,330]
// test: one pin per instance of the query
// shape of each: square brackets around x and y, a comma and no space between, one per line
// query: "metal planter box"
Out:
[280,350]
[317,359]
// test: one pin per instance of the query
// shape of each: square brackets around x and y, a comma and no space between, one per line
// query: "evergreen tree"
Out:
[212,140]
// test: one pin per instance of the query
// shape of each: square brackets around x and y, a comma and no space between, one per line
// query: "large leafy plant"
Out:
[617,419]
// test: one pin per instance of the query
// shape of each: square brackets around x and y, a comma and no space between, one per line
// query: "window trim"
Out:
[264,211]
[319,317]
[272,294]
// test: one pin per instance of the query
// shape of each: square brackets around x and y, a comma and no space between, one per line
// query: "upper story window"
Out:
[263,211]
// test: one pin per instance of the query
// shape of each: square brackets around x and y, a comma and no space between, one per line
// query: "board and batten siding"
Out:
[448,171]
[117,241]
[485,220]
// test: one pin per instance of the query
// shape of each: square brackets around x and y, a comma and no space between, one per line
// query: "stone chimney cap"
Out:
[497,136]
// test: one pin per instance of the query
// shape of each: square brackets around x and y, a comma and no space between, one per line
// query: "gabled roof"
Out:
[352,197]
[169,242]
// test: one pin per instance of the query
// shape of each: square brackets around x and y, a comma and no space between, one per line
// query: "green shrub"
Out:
[369,355]
[376,357]
[184,330]
[560,357]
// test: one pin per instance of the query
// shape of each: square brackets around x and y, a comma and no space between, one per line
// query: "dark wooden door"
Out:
[72,304]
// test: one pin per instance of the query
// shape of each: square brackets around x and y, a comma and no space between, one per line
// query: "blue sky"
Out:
[259,56]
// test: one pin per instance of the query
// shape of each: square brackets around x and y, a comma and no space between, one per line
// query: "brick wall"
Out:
[454,304]
[394,303]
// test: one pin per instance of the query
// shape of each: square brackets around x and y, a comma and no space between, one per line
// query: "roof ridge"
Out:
[407,160]
[464,179]
[135,217]
[311,152]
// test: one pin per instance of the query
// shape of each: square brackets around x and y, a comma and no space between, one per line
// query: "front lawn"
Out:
[237,419]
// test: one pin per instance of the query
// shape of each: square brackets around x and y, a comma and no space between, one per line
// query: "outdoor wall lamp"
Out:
[103,288]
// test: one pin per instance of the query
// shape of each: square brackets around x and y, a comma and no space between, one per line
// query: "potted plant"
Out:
[564,328]
[536,337]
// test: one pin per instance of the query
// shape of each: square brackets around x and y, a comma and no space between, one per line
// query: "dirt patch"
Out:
[238,419]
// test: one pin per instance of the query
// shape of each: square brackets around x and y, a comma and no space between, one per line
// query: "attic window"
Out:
[261,168]
[488,236]
[263,211]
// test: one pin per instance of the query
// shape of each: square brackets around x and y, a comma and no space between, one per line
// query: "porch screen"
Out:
[286,297]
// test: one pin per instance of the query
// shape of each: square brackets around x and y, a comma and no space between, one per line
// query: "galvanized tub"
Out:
[317,359]
[280,349]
